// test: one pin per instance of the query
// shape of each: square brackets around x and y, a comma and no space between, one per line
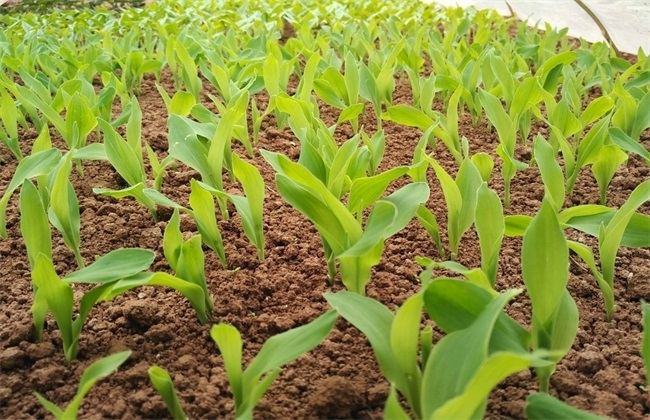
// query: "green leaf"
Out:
[302,190]
[392,409]
[289,345]
[457,359]
[454,305]
[181,103]
[374,320]
[204,214]
[59,299]
[545,258]
[79,113]
[430,224]
[484,164]
[605,165]
[136,191]
[542,406]
[408,115]
[229,342]
[351,112]
[587,255]
[96,371]
[94,151]
[115,265]
[283,348]
[366,190]
[162,382]
[516,225]
[636,235]
[185,146]
[251,208]
[490,227]
[405,338]
[122,156]
[38,164]
[173,240]
[611,236]
[34,225]
[191,291]
[491,372]
[627,143]
[551,172]
[545,261]
[596,109]
[64,209]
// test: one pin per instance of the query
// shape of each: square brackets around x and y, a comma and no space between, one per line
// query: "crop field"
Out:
[363,209]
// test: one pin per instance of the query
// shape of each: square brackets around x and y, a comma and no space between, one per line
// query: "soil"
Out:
[603,373]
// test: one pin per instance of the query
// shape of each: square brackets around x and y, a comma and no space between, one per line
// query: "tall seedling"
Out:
[64,208]
[186,259]
[460,196]
[249,385]
[344,237]
[545,262]
[97,370]
[437,386]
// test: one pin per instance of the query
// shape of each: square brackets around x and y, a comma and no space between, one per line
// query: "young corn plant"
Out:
[36,165]
[187,260]
[202,207]
[460,196]
[208,152]
[506,124]
[80,118]
[490,227]
[93,373]
[9,127]
[64,207]
[622,227]
[487,343]
[162,382]
[249,385]
[444,127]
[56,295]
[127,159]
[356,247]
[545,262]
[341,91]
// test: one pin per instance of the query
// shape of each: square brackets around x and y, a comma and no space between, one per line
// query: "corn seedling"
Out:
[57,293]
[64,208]
[187,260]
[490,227]
[9,120]
[434,388]
[249,385]
[357,248]
[33,166]
[611,235]
[162,382]
[460,196]
[35,229]
[93,373]
[545,261]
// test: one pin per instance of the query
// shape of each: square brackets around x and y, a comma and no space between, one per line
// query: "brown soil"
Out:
[339,379]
